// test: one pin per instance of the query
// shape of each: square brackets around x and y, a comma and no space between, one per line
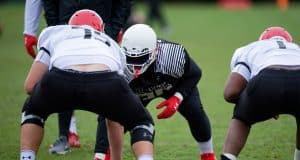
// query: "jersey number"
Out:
[97,35]
[281,45]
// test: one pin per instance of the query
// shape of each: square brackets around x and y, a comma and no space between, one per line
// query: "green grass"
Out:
[210,34]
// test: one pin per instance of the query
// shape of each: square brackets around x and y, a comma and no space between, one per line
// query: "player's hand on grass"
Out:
[30,43]
[171,104]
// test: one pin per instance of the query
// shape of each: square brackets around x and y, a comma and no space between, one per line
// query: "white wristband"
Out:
[179,95]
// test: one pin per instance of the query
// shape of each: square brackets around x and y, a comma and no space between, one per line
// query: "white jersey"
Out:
[249,60]
[33,11]
[65,45]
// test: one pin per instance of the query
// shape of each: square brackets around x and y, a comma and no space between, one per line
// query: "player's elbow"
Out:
[28,87]
[234,87]
[231,96]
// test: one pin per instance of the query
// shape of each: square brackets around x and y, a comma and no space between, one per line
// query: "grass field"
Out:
[210,34]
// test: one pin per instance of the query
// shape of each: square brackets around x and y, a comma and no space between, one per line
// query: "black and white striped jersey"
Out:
[172,71]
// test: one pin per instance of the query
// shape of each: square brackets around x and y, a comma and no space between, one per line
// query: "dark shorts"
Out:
[271,92]
[104,93]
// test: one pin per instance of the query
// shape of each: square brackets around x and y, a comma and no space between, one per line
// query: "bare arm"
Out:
[36,73]
[235,84]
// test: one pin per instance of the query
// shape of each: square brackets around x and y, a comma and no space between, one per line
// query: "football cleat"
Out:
[73,140]
[102,156]
[208,156]
[224,157]
[107,155]
[60,146]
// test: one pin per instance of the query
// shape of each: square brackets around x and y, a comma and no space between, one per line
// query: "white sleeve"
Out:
[33,10]
[239,65]
[44,46]
[43,57]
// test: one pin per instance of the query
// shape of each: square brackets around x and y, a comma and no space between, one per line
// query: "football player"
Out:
[159,68]
[114,14]
[264,82]
[80,67]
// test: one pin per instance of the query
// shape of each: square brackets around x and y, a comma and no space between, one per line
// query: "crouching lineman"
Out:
[158,68]
[78,65]
[264,82]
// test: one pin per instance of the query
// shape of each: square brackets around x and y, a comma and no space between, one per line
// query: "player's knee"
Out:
[143,132]
[31,118]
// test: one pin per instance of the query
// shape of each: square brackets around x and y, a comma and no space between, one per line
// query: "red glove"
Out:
[172,104]
[30,41]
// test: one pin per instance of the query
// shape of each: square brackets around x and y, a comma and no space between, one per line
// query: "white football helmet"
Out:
[139,45]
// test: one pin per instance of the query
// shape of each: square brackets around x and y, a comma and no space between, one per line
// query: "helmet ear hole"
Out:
[276,32]
[87,17]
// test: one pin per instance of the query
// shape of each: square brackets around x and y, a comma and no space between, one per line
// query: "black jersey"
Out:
[113,12]
[172,71]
